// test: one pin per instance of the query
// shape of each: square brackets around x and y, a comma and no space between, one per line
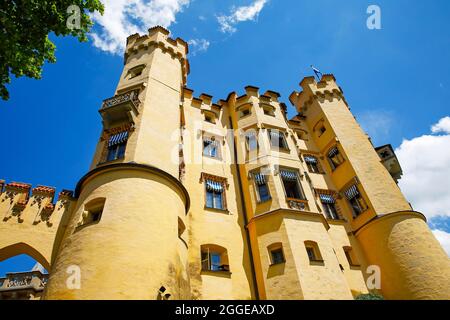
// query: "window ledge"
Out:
[317,262]
[217,210]
[264,201]
[277,264]
[219,273]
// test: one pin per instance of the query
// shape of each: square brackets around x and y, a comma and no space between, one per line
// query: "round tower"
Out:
[123,240]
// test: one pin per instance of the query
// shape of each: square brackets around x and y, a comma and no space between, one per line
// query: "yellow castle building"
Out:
[187,198]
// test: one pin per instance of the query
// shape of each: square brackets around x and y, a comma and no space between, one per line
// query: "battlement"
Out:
[326,88]
[16,197]
[158,37]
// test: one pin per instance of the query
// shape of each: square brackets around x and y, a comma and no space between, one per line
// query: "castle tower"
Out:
[389,232]
[123,236]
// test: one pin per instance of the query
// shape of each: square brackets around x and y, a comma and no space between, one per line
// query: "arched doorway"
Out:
[23,273]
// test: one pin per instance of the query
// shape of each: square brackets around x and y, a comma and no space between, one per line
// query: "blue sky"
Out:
[396,80]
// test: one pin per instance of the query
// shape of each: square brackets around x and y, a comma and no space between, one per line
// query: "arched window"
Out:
[276,253]
[313,251]
[214,258]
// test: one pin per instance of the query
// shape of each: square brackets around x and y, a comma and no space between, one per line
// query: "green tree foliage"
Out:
[24,29]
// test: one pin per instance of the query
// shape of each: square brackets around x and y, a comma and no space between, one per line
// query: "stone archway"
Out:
[23,248]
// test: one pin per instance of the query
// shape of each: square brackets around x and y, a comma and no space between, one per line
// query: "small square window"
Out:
[277,256]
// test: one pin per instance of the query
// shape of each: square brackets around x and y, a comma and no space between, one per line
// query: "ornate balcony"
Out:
[120,108]
[297,204]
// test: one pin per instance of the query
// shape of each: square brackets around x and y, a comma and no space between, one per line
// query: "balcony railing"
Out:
[298,204]
[120,108]
[13,281]
[127,97]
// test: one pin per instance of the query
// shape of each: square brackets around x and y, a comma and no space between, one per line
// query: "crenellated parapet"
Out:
[158,37]
[325,89]
[19,201]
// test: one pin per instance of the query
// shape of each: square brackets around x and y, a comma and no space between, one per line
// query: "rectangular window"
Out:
[356,201]
[277,139]
[291,184]
[277,256]
[214,195]
[261,187]
[116,146]
[335,158]
[312,163]
[210,148]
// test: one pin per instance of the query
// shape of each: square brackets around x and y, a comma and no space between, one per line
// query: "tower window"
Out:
[356,201]
[214,258]
[276,254]
[116,146]
[214,195]
[291,184]
[136,71]
[92,212]
[312,163]
[335,158]
[329,206]
[262,187]
[210,147]
[313,252]
[277,139]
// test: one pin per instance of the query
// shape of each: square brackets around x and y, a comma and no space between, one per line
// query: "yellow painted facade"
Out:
[187,198]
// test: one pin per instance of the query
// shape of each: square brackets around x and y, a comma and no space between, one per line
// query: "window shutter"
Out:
[288,175]
[351,192]
[333,152]
[310,159]
[327,198]
[260,179]
[118,138]
[214,186]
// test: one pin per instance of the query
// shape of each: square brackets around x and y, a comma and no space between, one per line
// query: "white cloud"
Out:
[240,14]
[426,171]
[125,17]
[444,238]
[442,126]
[198,45]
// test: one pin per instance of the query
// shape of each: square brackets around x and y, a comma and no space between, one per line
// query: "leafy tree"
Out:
[24,29]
